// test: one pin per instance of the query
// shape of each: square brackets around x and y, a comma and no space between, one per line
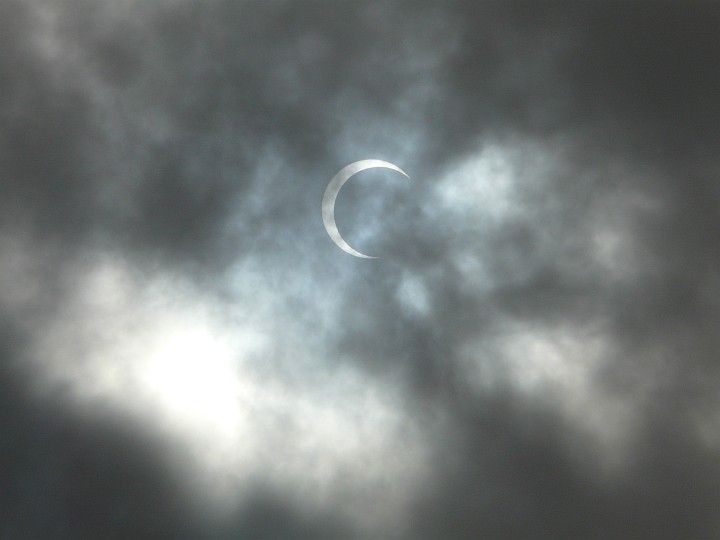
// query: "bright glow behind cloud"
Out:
[185,365]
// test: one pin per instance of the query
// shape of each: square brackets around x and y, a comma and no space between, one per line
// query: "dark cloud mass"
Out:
[185,353]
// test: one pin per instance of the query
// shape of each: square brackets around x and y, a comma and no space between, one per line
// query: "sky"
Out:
[185,354]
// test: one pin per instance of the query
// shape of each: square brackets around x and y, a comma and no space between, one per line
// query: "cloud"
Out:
[533,355]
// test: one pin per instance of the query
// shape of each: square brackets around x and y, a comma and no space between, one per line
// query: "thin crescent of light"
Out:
[331,193]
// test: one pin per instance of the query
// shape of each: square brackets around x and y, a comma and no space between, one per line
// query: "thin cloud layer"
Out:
[533,355]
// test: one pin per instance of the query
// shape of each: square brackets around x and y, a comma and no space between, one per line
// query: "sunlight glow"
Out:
[233,404]
[191,375]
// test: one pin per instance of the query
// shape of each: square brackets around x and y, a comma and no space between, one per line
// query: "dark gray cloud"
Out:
[187,355]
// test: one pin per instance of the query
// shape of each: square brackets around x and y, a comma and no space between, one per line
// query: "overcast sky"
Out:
[186,354]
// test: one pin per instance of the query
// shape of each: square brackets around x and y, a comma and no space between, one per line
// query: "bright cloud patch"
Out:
[160,352]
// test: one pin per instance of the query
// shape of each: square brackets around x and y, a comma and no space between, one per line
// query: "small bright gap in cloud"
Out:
[413,295]
[485,183]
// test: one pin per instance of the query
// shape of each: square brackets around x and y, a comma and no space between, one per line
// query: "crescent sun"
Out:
[331,193]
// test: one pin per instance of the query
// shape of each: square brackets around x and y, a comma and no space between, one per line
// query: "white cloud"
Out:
[242,399]
[559,367]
